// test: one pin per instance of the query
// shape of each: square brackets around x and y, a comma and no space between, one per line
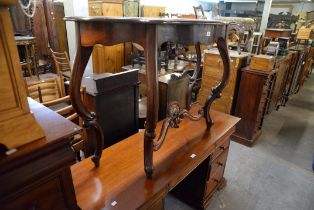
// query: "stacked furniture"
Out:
[212,72]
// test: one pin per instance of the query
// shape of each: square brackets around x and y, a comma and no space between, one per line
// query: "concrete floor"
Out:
[276,173]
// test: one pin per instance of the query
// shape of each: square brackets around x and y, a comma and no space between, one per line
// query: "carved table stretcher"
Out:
[149,33]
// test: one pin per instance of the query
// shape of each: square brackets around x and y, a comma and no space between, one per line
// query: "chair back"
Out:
[46,90]
[62,63]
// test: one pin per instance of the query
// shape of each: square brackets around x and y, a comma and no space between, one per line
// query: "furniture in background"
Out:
[26,48]
[291,73]
[152,11]
[189,151]
[114,99]
[253,96]
[46,90]
[213,71]
[18,126]
[62,64]
[107,59]
[302,56]
[274,33]
[281,70]
[172,87]
[37,175]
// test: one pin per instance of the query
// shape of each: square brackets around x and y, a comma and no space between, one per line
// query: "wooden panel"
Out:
[111,9]
[40,30]
[152,11]
[14,109]
[107,59]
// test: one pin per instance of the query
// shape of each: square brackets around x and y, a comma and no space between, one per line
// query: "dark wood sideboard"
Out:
[190,153]
[37,175]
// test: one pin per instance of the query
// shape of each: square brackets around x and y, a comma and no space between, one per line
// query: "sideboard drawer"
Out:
[221,147]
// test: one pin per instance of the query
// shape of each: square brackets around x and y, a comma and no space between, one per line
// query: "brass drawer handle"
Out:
[222,148]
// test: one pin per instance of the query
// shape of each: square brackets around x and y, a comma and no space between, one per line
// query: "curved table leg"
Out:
[152,98]
[94,132]
[216,91]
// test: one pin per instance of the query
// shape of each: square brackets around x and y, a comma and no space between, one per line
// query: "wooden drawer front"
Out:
[213,60]
[221,147]
[216,174]
[47,196]
[219,162]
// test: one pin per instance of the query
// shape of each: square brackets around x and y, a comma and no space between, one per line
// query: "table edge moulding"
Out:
[149,33]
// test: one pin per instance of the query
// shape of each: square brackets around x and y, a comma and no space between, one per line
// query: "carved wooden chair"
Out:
[62,63]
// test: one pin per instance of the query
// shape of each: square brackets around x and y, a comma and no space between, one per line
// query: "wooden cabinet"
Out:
[115,103]
[199,186]
[253,98]
[107,59]
[212,74]
[37,175]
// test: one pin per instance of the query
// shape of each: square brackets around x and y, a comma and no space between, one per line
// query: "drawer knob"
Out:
[222,148]
[216,180]
[220,164]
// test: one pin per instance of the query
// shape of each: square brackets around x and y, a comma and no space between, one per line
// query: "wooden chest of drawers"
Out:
[253,98]
[212,73]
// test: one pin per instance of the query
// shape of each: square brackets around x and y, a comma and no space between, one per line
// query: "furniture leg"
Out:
[94,132]
[152,98]
[216,91]
[34,61]
[28,62]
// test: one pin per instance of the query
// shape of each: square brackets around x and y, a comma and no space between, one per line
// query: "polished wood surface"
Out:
[14,108]
[37,175]
[251,105]
[121,177]
[149,33]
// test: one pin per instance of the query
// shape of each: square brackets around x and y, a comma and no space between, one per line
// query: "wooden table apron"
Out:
[149,33]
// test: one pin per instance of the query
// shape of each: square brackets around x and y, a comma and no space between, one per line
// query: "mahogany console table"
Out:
[190,153]
[150,33]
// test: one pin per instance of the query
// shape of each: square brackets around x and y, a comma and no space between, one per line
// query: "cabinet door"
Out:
[107,59]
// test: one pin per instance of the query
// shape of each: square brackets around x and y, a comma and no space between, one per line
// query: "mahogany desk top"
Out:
[121,180]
